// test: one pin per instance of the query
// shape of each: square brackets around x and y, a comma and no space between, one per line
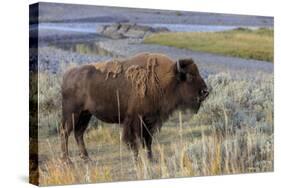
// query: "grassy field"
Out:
[232,133]
[244,43]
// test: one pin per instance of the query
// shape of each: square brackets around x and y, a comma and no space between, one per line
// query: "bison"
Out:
[138,93]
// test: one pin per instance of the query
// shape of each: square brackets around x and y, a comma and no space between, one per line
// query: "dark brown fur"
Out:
[139,93]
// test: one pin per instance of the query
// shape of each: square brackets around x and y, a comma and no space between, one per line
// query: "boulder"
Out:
[128,30]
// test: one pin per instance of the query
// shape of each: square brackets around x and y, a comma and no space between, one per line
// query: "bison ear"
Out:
[181,69]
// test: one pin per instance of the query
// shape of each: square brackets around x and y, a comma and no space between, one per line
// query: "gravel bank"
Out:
[52,59]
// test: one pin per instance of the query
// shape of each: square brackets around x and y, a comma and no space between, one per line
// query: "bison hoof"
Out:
[152,159]
[67,161]
[86,159]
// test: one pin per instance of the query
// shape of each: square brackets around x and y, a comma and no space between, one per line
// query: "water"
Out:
[72,27]
[92,27]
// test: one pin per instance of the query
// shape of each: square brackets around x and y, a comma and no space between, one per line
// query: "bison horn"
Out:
[179,69]
[183,72]
[178,66]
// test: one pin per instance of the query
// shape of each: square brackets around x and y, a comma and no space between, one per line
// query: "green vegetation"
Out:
[241,42]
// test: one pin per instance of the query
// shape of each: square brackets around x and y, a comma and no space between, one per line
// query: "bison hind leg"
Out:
[80,127]
[65,130]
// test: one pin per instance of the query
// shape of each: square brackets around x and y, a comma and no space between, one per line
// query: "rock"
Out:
[112,32]
[127,30]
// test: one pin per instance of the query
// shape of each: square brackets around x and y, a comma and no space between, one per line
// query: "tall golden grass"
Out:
[209,154]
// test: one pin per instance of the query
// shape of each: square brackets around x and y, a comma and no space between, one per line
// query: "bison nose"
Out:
[204,93]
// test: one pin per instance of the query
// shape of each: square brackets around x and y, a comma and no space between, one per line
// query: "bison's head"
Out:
[192,89]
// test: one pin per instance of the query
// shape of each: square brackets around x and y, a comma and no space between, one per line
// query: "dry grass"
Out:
[244,43]
[59,173]
[232,133]
[208,154]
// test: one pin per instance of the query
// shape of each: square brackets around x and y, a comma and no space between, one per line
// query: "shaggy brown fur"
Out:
[139,92]
[143,77]
[109,68]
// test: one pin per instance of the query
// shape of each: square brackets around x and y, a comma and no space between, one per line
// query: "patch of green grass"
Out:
[241,42]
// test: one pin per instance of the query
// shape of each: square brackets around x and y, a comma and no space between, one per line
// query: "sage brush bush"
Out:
[235,104]
[49,103]
[240,113]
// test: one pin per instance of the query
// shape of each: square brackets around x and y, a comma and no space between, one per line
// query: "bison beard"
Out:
[139,92]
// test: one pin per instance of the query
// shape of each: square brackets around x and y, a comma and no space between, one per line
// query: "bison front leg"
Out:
[150,125]
[79,130]
[131,133]
[148,142]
